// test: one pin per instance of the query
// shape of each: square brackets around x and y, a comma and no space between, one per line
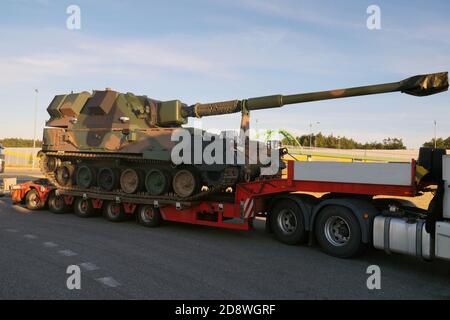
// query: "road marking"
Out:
[108,281]
[67,253]
[30,236]
[89,266]
[12,230]
[49,244]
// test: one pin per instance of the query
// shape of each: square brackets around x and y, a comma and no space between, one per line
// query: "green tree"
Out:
[440,143]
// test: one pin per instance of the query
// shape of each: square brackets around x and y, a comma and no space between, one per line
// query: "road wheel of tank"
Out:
[338,232]
[64,175]
[83,208]
[107,179]
[56,203]
[33,201]
[288,222]
[51,163]
[131,181]
[114,211]
[185,183]
[149,216]
[85,176]
[157,182]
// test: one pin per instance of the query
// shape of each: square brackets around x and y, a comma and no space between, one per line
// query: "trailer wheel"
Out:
[288,222]
[56,204]
[33,201]
[83,208]
[338,232]
[149,216]
[114,212]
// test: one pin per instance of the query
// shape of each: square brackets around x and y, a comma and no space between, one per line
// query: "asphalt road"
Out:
[178,261]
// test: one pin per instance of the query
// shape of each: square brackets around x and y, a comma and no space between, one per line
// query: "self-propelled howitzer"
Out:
[119,142]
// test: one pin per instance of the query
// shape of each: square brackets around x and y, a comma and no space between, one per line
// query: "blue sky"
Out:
[222,49]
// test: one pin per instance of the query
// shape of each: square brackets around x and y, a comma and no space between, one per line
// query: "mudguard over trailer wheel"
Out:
[338,232]
[56,203]
[33,200]
[288,222]
[84,208]
[149,216]
[114,212]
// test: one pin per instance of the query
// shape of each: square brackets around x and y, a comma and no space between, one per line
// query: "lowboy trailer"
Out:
[347,218]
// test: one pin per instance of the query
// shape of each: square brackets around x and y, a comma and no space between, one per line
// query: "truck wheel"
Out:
[338,232]
[288,222]
[56,204]
[149,216]
[83,208]
[114,212]
[33,201]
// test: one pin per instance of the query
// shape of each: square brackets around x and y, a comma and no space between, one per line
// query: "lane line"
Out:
[108,281]
[12,230]
[67,253]
[30,236]
[89,266]
[49,244]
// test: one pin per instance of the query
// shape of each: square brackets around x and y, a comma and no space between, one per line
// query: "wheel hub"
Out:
[184,183]
[129,181]
[147,214]
[156,182]
[84,177]
[337,231]
[287,221]
[106,179]
[64,175]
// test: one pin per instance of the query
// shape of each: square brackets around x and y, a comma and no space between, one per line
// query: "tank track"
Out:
[230,177]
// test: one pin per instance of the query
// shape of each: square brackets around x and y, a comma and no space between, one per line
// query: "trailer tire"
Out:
[288,222]
[33,200]
[114,212]
[83,208]
[338,232]
[56,203]
[149,216]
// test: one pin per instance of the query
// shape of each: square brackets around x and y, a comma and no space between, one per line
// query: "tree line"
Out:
[322,141]
[19,143]
[440,143]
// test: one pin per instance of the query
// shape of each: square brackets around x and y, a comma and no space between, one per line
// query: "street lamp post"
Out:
[311,134]
[435,136]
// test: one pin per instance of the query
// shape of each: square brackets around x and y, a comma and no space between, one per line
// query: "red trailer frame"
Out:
[249,199]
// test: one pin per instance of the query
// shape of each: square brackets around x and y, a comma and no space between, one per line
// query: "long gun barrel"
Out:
[421,85]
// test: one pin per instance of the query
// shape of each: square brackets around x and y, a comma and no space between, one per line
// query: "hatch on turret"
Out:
[101,102]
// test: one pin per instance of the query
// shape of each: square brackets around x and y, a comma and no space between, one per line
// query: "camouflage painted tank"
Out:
[115,142]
